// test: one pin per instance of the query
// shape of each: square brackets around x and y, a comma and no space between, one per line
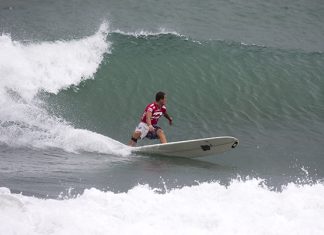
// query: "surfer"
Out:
[148,125]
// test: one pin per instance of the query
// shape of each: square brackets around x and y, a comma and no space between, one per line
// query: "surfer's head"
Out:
[160,98]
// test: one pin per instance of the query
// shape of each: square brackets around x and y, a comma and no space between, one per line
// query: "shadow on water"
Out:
[166,173]
[184,162]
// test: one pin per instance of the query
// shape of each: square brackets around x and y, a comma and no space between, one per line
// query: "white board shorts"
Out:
[143,128]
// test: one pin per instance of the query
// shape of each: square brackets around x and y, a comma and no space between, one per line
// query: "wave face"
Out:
[54,92]
[214,87]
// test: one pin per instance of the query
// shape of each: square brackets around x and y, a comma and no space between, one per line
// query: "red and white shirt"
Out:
[156,111]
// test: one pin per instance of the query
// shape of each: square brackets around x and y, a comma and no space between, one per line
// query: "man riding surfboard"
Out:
[148,125]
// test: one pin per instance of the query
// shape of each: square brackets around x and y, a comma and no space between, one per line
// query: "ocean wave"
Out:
[244,207]
[142,33]
[49,66]
[28,68]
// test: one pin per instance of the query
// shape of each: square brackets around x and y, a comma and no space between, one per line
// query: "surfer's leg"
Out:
[139,133]
[161,135]
[134,138]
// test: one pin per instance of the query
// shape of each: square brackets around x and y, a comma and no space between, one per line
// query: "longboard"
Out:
[190,148]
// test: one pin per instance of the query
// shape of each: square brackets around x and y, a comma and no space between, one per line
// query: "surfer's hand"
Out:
[151,128]
[170,121]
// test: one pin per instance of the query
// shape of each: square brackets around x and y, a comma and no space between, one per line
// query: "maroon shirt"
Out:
[156,111]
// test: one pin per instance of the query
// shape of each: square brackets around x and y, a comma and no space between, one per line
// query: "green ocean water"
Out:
[77,75]
[214,88]
[271,99]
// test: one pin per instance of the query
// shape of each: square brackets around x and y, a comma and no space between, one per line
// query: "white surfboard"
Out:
[190,148]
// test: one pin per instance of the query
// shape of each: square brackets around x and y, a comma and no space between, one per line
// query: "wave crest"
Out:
[27,69]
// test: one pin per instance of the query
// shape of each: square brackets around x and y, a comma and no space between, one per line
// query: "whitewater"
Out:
[207,208]
[26,70]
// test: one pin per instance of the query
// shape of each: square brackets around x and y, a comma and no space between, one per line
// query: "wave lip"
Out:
[50,66]
[145,33]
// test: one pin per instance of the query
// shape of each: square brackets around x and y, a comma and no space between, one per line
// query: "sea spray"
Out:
[27,69]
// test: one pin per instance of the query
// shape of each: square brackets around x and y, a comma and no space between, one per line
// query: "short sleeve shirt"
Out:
[156,111]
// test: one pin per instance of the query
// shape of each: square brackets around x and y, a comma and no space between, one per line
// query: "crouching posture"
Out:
[148,125]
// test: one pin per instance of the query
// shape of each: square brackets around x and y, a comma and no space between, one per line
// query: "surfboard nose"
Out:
[235,143]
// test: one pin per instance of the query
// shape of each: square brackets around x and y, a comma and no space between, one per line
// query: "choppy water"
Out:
[76,76]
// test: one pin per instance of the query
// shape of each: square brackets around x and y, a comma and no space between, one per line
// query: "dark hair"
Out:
[159,96]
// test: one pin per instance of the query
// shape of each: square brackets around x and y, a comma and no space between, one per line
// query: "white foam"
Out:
[145,33]
[50,66]
[161,31]
[26,69]
[209,208]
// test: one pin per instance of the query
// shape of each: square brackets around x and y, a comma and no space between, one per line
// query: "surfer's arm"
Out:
[168,117]
[148,120]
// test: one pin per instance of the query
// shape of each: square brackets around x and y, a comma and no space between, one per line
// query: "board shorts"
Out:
[144,129]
